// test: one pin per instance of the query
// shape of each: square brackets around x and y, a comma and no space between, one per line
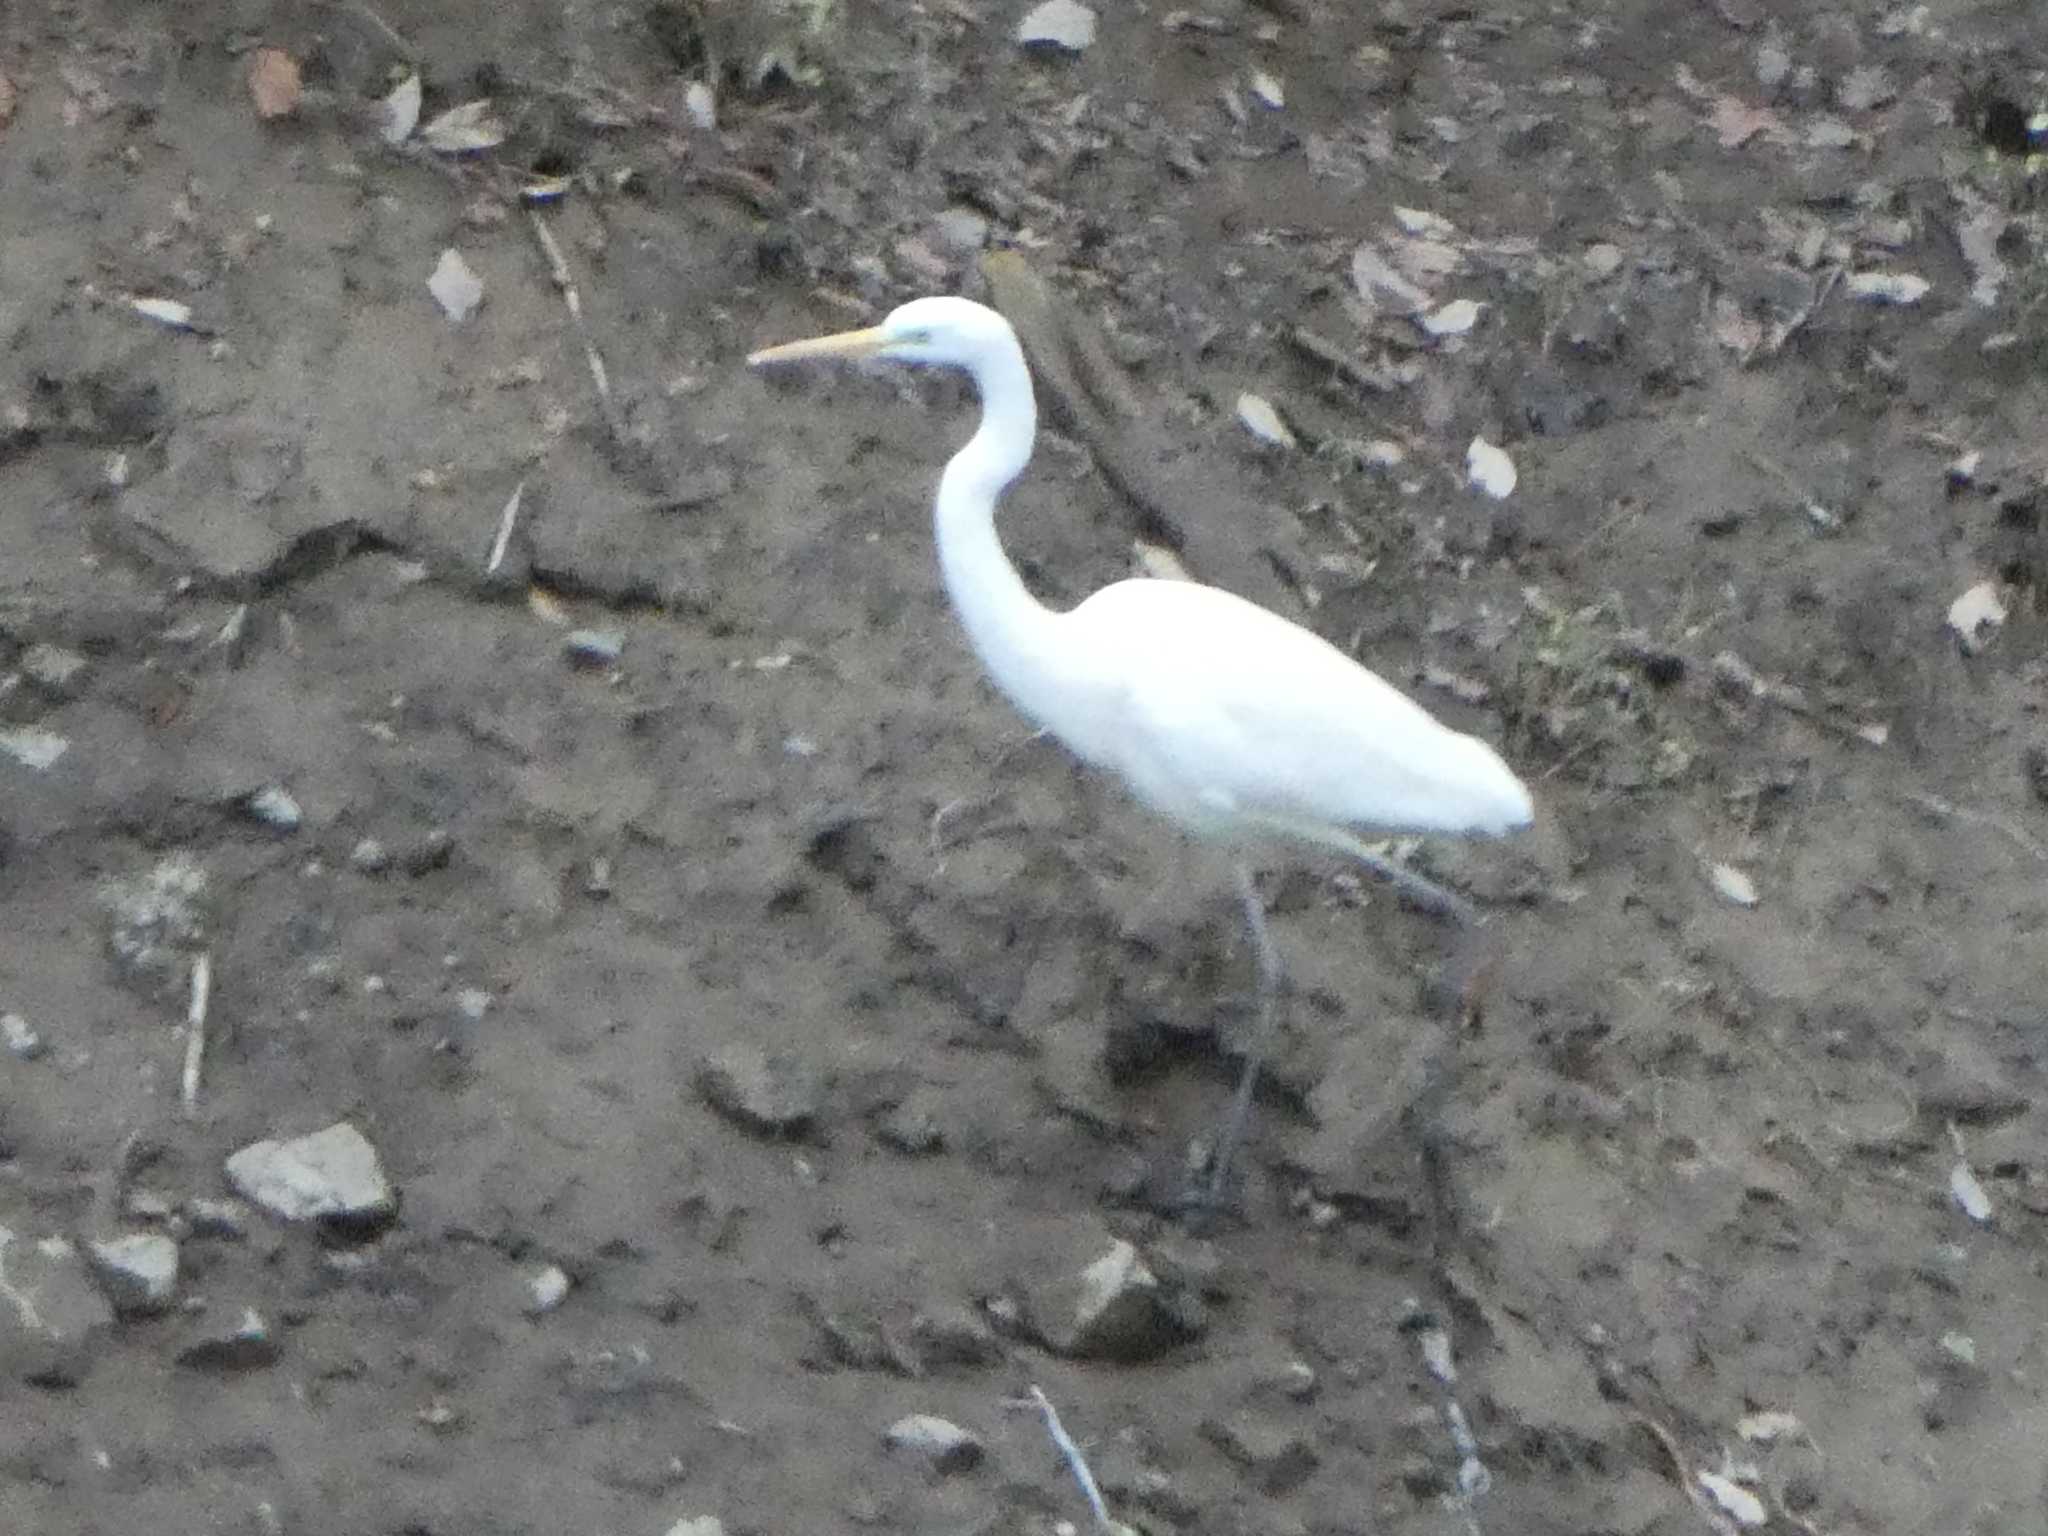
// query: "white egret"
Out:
[1242,728]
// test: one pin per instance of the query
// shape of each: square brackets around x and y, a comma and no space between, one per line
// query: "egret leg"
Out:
[1262,1035]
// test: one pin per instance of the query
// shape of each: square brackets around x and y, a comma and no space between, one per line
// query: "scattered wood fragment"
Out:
[195,1031]
[565,284]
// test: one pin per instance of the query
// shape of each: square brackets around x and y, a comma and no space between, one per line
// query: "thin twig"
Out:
[1940,807]
[565,284]
[505,523]
[1332,356]
[1075,1461]
[383,29]
[195,1030]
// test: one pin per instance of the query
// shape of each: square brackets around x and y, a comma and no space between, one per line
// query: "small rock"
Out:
[912,1127]
[547,1290]
[228,1219]
[594,647]
[962,230]
[698,1525]
[57,672]
[455,287]
[50,1311]
[432,852]
[1602,260]
[1057,24]
[246,1345]
[2034,769]
[940,1442]
[275,807]
[370,857]
[1115,1309]
[473,1003]
[954,1335]
[139,1272]
[1280,1459]
[332,1176]
[770,1095]
[33,748]
[21,1041]
[154,919]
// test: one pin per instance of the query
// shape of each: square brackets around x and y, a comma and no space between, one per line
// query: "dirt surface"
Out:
[770,987]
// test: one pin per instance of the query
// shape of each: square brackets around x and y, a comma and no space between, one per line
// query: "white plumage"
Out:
[1238,726]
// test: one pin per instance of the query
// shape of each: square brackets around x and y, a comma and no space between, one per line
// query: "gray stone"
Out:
[940,1443]
[1280,1459]
[274,807]
[331,1176]
[139,1272]
[594,647]
[50,1311]
[245,1344]
[1114,1308]
[21,1041]
[962,229]
[954,1335]
[912,1127]
[770,1095]
[547,1290]
[369,857]
[57,672]
[225,1219]
[698,1525]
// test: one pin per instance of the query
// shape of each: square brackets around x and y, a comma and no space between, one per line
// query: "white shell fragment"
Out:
[401,110]
[1263,422]
[1452,319]
[1057,24]
[1887,287]
[1489,469]
[164,311]
[465,129]
[1969,1194]
[455,288]
[1736,1501]
[1733,885]
[1976,616]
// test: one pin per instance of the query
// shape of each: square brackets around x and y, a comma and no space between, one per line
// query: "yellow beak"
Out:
[863,343]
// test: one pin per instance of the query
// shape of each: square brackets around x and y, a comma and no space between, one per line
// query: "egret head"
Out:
[949,332]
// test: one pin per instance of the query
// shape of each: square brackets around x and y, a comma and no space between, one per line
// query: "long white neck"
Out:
[1014,634]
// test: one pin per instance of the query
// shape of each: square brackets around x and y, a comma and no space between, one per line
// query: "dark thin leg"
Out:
[1262,1035]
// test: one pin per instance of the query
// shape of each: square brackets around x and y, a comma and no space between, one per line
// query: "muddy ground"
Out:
[1681,1197]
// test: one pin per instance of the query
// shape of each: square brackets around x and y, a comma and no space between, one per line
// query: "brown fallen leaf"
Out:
[1736,122]
[274,82]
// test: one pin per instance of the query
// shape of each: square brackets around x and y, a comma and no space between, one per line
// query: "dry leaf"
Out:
[1769,1425]
[1736,122]
[164,311]
[465,129]
[1490,469]
[1969,1194]
[1733,884]
[1453,319]
[1887,287]
[1736,1501]
[455,288]
[274,82]
[1976,616]
[1375,277]
[1263,422]
[402,111]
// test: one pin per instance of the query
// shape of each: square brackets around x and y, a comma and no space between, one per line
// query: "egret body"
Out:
[1240,727]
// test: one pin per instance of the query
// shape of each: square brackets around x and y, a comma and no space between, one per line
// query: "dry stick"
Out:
[195,1029]
[383,28]
[1074,1459]
[1940,807]
[1473,1477]
[565,284]
[1339,360]
[505,522]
